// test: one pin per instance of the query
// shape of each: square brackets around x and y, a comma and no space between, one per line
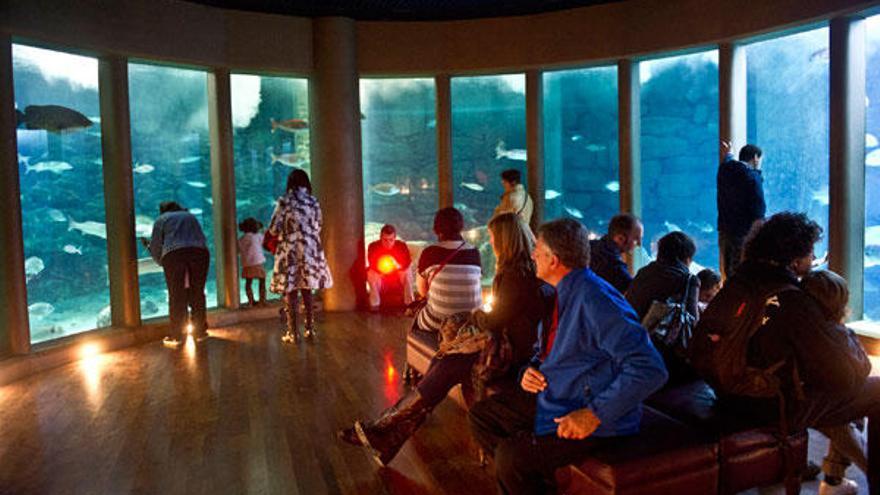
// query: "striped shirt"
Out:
[455,288]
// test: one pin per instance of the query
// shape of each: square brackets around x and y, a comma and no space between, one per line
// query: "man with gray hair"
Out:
[594,365]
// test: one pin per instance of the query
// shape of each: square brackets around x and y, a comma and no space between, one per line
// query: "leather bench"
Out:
[666,458]
[687,445]
[748,456]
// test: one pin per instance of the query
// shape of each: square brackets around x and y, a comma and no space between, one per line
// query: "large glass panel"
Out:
[172,162]
[788,120]
[488,137]
[62,191]
[399,136]
[580,146]
[872,173]
[680,150]
[270,125]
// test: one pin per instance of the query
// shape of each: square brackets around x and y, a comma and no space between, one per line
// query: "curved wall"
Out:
[606,32]
[166,30]
[184,33]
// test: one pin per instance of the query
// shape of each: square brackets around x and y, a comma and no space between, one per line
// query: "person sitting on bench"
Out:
[593,368]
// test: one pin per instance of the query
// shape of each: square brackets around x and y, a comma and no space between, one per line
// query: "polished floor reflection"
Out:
[242,414]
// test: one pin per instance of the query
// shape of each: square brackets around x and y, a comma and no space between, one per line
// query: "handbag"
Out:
[419,304]
[493,363]
[670,324]
[270,242]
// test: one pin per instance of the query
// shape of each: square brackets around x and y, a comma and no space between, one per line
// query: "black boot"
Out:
[308,308]
[387,434]
[291,336]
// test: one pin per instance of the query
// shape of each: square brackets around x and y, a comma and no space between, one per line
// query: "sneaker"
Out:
[845,487]
[289,338]
[171,342]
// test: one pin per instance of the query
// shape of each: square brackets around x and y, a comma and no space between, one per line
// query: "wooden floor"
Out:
[240,414]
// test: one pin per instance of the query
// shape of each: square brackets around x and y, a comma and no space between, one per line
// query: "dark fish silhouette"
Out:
[52,118]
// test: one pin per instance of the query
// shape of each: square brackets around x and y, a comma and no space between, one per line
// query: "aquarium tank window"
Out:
[62,191]
[399,143]
[787,111]
[679,147]
[488,137]
[580,146]
[270,126]
[872,172]
[171,161]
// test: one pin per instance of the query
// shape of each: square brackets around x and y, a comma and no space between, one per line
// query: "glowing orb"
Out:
[386,264]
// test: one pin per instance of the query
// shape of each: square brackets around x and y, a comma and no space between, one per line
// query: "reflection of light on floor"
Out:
[189,328]
[92,364]
[390,374]
[391,381]
[189,348]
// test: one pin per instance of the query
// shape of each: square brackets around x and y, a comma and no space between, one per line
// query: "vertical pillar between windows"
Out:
[336,158]
[223,188]
[732,104]
[14,328]
[443,88]
[118,192]
[846,236]
[629,147]
[535,142]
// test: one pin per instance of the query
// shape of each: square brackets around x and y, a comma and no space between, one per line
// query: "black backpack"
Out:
[719,347]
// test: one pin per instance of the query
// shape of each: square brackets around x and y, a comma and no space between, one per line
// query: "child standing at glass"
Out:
[250,248]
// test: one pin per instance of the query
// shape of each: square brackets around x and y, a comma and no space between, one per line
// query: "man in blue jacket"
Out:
[740,201]
[594,365]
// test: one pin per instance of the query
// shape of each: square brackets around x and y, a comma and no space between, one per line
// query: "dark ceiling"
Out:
[402,10]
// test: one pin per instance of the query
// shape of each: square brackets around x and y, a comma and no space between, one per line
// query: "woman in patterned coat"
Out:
[300,265]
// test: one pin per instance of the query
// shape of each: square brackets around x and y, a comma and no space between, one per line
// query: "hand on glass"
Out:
[533,381]
[725,148]
[577,425]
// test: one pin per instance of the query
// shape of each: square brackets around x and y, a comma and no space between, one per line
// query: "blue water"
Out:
[68,290]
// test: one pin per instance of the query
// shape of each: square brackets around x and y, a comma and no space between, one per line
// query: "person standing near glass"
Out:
[300,264]
[740,201]
[515,198]
[178,246]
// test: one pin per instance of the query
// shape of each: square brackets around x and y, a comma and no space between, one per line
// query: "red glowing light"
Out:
[386,264]
[390,373]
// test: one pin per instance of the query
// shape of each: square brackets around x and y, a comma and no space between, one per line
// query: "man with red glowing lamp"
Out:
[389,261]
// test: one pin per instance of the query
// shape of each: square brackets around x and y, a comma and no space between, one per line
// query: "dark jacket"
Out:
[798,333]
[521,300]
[740,197]
[175,230]
[660,281]
[606,262]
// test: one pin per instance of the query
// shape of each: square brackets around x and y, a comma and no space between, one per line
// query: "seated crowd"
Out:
[559,368]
